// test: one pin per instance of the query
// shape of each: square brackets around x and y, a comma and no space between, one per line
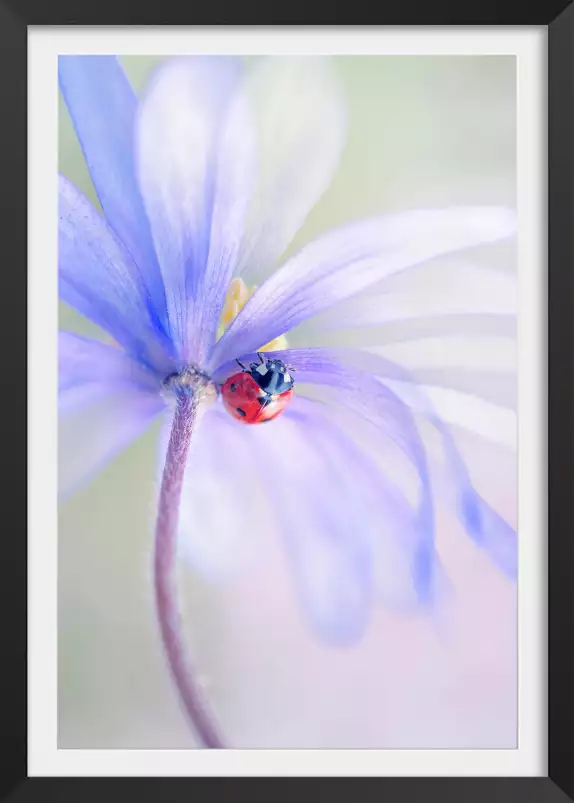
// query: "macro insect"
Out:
[260,392]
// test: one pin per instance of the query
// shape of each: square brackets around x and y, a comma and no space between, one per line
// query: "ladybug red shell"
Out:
[259,393]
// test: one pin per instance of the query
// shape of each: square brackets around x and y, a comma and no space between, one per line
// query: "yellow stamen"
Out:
[238,294]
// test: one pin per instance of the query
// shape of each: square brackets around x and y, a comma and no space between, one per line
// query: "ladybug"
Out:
[259,393]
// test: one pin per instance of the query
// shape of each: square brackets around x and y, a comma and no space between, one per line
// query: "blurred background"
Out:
[424,131]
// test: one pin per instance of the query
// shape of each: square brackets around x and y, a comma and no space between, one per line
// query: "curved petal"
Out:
[496,387]
[475,351]
[351,537]
[398,534]
[491,421]
[317,508]
[99,279]
[348,260]
[300,126]
[105,401]
[469,380]
[102,106]
[366,334]
[195,161]
[83,361]
[485,525]
[444,290]
[352,374]
[452,324]
[327,534]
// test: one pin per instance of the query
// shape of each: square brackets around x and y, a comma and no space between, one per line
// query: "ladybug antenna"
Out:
[261,358]
[291,368]
[240,364]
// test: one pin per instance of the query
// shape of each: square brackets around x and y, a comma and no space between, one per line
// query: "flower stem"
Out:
[165,570]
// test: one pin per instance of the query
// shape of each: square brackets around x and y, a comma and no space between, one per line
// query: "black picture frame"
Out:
[558,16]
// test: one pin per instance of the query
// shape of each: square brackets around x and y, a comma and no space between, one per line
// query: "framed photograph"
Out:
[353,228]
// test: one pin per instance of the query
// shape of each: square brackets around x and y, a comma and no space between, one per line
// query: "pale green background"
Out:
[424,131]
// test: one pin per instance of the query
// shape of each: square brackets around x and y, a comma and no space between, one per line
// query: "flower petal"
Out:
[195,162]
[475,351]
[83,361]
[451,323]
[99,279]
[348,260]
[300,120]
[485,526]
[495,386]
[488,420]
[102,106]
[351,536]
[105,400]
[318,509]
[441,291]
[328,540]
[399,536]
[352,374]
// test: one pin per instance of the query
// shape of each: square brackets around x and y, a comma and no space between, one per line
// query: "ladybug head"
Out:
[272,376]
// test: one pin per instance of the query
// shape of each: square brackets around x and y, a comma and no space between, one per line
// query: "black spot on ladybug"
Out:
[241,412]
[232,387]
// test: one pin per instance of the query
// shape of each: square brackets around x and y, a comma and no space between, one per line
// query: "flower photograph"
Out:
[287,402]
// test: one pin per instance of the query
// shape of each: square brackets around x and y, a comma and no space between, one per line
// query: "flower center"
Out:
[191,382]
[238,294]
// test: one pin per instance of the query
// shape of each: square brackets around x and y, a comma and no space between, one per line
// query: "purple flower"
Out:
[203,183]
